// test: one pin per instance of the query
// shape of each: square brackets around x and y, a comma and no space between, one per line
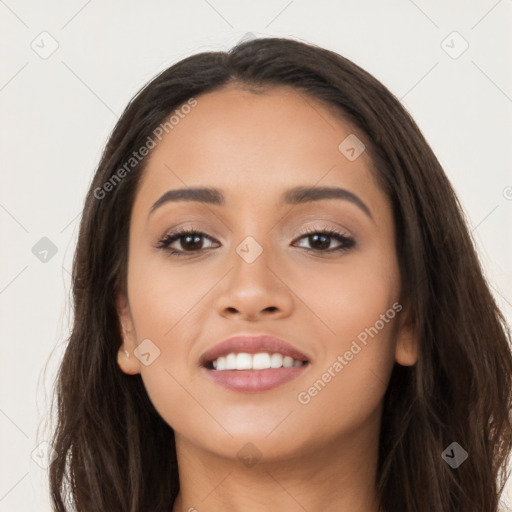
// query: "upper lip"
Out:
[252,345]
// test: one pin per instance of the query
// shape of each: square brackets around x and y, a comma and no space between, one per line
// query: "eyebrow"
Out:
[294,196]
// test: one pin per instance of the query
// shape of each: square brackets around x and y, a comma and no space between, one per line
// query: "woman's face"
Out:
[261,266]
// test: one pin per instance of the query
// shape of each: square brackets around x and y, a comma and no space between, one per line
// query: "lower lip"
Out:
[254,381]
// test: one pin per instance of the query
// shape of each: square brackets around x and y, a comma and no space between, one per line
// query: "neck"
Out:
[337,476]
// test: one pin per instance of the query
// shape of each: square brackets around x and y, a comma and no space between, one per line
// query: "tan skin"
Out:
[319,456]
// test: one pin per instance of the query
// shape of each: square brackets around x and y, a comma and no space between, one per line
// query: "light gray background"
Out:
[57,112]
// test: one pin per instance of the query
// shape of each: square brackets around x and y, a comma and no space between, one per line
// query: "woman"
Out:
[278,305]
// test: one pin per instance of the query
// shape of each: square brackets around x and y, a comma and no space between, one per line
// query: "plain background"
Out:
[57,111]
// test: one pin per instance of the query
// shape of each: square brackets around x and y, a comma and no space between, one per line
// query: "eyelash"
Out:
[346,241]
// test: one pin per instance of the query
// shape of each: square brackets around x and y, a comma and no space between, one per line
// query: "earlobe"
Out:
[128,363]
[406,357]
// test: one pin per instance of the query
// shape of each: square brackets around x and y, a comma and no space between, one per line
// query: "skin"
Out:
[316,456]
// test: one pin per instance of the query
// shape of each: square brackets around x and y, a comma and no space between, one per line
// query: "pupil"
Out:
[324,245]
[197,241]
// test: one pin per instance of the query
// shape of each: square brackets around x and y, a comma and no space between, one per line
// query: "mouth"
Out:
[253,364]
[259,361]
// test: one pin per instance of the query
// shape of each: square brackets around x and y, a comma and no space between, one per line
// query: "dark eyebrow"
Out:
[300,195]
[199,194]
[297,195]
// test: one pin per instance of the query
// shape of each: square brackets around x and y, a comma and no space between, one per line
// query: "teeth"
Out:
[243,362]
[287,362]
[276,361]
[231,361]
[260,361]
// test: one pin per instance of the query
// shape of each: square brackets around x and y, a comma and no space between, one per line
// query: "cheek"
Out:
[358,308]
[165,303]
[349,387]
[163,296]
[350,296]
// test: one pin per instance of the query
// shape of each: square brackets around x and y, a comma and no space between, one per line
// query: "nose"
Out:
[254,291]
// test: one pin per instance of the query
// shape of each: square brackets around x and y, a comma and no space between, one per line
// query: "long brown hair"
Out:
[115,453]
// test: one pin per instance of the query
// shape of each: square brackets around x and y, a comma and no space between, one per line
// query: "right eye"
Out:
[189,239]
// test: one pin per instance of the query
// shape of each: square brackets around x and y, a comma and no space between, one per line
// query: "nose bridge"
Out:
[253,256]
[252,237]
[255,240]
[252,285]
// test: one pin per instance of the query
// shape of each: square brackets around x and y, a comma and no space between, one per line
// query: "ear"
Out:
[126,359]
[407,344]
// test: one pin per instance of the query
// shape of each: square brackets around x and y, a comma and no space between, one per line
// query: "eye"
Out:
[189,239]
[192,241]
[321,240]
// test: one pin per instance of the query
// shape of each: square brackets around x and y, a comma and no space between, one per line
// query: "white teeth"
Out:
[287,361]
[243,361]
[260,361]
[230,361]
[276,361]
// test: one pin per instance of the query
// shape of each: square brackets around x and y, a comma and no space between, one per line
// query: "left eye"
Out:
[322,240]
[192,241]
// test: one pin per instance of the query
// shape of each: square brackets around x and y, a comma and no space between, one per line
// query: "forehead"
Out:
[252,144]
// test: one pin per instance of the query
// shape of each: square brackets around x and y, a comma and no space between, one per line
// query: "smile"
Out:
[251,364]
[260,361]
